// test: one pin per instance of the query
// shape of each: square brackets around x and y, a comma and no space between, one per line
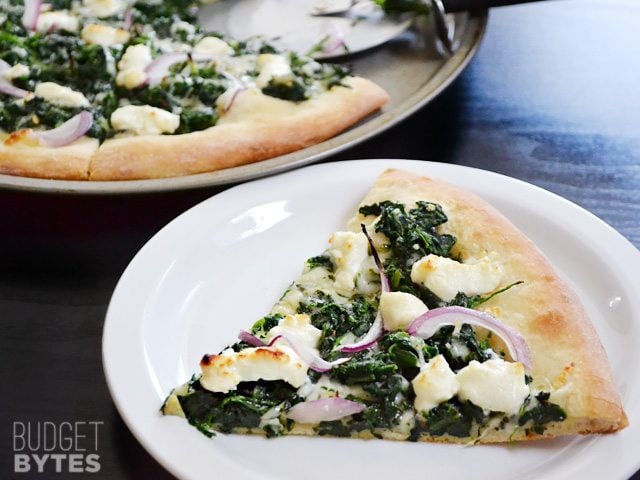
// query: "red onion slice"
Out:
[371,337]
[308,355]
[376,330]
[159,67]
[250,339]
[6,86]
[66,133]
[31,14]
[428,323]
[324,410]
[334,39]
[384,280]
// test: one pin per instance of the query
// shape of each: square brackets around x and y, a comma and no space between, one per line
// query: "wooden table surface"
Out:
[552,98]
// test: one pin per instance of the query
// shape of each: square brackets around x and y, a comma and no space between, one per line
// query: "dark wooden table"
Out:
[553,98]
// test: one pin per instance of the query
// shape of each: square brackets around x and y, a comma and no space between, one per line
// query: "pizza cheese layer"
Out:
[145,69]
[313,366]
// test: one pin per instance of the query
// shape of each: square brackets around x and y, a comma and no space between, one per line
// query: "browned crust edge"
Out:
[255,129]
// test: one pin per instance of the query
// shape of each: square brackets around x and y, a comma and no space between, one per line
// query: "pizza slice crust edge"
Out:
[257,128]
[566,350]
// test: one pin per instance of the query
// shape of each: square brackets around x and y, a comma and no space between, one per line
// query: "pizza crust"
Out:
[257,127]
[568,358]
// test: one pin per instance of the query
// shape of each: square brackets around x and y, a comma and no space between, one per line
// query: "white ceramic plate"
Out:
[222,264]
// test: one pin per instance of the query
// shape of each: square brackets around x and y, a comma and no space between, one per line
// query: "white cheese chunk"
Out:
[348,250]
[272,67]
[213,46]
[399,309]
[298,325]
[57,20]
[144,120]
[105,8]
[60,95]
[446,277]
[131,66]
[16,71]
[104,35]
[494,385]
[223,373]
[436,383]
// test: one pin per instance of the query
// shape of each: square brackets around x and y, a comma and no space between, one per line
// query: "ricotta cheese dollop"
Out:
[446,277]
[144,120]
[349,250]
[298,325]
[222,373]
[494,385]
[60,95]
[436,383]
[399,309]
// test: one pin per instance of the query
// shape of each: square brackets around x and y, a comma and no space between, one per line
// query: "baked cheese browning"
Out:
[456,383]
[148,73]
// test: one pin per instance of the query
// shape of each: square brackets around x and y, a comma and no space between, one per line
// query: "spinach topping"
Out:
[544,412]
[242,408]
[419,7]
[320,261]
[337,320]
[189,90]
[412,235]
[454,417]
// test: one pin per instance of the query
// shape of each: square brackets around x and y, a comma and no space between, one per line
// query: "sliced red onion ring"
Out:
[31,14]
[227,99]
[334,39]
[250,339]
[384,280]
[6,86]
[308,355]
[376,330]
[371,337]
[66,133]
[324,410]
[159,67]
[428,323]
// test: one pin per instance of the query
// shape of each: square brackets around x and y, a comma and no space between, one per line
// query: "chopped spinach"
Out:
[321,261]
[242,408]
[266,323]
[542,413]
[419,7]
[454,417]
[463,300]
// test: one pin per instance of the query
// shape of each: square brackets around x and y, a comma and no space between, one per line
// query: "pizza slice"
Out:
[431,318]
[118,90]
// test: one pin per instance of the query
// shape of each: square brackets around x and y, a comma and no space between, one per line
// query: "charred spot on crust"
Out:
[206,360]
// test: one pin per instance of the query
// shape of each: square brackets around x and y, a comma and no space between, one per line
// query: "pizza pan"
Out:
[409,67]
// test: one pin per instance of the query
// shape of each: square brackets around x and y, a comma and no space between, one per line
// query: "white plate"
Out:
[221,265]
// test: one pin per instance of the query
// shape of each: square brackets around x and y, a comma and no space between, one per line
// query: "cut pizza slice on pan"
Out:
[116,90]
[430,318]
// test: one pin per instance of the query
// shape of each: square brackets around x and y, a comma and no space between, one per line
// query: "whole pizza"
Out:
[118,90]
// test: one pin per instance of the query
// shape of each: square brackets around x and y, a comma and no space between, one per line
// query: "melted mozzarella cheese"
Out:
[325,387]
[349,250]
[104,35]
[144,120]
[272,67]
[213,46]
[105,8]
[298,325]
[494,385]
[436,383]
[60,95]
[399,309]
[57,20]
[222,373]
[16,71]
[131,66]
[446,277]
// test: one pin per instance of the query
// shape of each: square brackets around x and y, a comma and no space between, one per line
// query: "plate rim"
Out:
[622,244]
[373,125]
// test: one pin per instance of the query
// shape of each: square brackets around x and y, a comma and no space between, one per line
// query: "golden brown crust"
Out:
[568,357]
[64,163]
[256,128]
